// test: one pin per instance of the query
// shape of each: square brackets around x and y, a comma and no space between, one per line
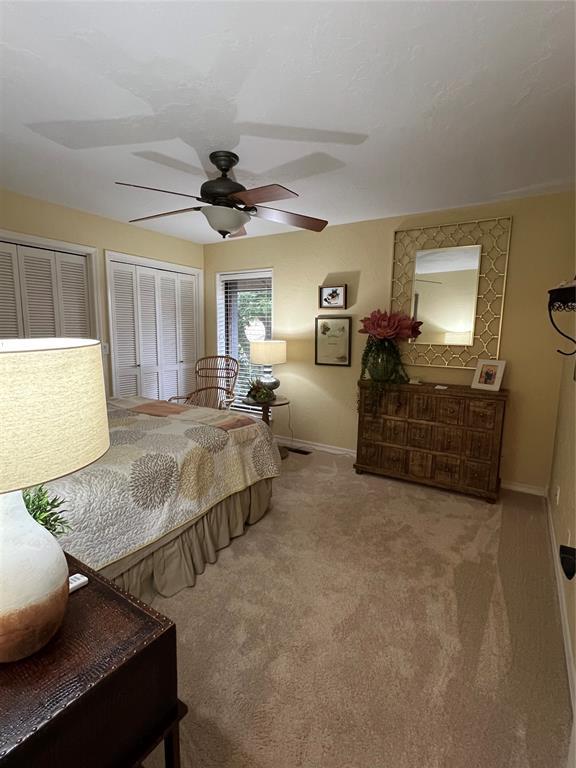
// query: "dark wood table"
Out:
[101,694]
[280,400]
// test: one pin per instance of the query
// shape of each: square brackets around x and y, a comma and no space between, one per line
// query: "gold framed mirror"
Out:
[453,278]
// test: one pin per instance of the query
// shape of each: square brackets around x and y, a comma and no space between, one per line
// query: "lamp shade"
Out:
[225,219]
[267,352]
[52,409]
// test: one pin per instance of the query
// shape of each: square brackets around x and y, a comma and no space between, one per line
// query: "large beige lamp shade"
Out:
[52,422]
[269,352]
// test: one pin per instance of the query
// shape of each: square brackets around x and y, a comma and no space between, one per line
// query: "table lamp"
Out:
[270,352]
[52,422]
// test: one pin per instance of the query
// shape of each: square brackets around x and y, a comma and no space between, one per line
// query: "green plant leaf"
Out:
[46,510]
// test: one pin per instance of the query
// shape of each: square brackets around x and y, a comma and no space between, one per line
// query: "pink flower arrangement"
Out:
[396,325]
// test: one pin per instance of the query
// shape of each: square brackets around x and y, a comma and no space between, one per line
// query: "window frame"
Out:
[243,274]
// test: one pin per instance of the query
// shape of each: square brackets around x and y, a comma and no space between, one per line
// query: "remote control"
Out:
[76,581]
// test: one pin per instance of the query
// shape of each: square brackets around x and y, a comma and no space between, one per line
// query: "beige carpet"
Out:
[368,623]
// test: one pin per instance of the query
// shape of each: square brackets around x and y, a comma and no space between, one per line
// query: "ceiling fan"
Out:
[229,205]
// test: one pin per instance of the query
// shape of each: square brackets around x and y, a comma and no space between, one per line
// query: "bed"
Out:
[178,483]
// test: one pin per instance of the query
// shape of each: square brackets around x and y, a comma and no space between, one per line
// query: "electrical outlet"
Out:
[557,495]
[105,348]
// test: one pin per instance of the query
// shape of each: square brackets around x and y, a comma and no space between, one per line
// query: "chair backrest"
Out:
[211,397]
[217,371]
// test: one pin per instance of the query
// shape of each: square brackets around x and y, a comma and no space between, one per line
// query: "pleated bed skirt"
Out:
[172,562]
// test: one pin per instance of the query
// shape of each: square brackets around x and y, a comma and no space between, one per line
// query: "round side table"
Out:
[280,400]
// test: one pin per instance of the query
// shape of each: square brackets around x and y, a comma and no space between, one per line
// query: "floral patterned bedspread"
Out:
[160,472]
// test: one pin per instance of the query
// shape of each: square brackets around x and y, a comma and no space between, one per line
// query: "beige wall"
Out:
[29,216]
[324,398]
[564,474]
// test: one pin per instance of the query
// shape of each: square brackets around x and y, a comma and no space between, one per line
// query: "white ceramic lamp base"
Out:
[33,581]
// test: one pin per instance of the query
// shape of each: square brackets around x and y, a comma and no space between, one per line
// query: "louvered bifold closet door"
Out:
[169,357]
[74,297]
[11,323]
[187,332]
[124,330]
[147,313]
[39,292]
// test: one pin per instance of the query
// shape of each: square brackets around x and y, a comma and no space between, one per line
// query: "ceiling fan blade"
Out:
[168,213]
[241,232]
[293,219]
[263,194]
[154,189]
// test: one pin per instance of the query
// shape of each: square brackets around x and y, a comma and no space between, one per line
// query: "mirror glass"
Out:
[444,294]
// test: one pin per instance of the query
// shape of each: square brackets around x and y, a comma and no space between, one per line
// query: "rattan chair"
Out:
[215,381]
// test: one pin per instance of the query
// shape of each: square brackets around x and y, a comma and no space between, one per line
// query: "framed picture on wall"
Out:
[333,342]
[332,296]
[488,374]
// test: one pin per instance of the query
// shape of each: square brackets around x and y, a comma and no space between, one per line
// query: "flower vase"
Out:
[385,364]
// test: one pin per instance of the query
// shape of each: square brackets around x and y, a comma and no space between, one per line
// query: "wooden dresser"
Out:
[450,438]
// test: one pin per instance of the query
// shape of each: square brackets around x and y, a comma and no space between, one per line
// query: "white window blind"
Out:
[43,293]
[244,314]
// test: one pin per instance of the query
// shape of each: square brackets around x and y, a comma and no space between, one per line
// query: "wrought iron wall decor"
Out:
[494,237]
[562,299]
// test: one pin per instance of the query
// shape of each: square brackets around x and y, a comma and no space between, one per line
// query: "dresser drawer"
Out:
[447,469]
[392,459]
[420,435]
[476,475]
[367,453]
[423,407]
[370,402]
[482,414]
[448,440]
[451,410]
[394,431]
[479,445]
[385,457]
[395,403]
[420,464]
[371,427]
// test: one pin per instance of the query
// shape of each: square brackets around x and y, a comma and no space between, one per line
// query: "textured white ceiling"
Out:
[365,109]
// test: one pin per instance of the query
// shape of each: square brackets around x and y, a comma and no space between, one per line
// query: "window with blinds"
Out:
[43,293]
[244,314]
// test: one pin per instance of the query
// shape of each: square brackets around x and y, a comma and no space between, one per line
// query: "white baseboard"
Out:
[293,443]
[533,490]
[559,578]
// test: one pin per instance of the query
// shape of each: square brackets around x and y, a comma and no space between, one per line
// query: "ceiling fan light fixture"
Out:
[224,219]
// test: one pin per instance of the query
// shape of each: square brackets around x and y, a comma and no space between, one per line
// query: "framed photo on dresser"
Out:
[333,342]
[488,374]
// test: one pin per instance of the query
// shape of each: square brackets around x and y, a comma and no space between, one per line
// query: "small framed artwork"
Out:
[488,374]
[333,342]
[332,296]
